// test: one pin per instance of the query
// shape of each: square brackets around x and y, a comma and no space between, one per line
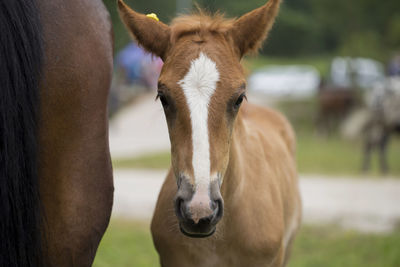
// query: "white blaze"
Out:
[199,85]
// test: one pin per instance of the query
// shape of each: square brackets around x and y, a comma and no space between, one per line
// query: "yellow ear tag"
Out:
[153,16]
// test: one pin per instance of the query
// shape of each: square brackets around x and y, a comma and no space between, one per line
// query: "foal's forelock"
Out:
[199,85]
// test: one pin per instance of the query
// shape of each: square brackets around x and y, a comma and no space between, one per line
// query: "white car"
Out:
[295,81]
[364,72]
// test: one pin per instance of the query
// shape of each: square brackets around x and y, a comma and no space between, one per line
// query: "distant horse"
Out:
[56,186]
[233,180]
[383,121]
[334,104]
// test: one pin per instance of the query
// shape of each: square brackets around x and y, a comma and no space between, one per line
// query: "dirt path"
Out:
[369,205]
[138,129]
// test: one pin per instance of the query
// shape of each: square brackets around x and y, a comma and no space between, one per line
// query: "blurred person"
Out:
[136,71]
[394,66]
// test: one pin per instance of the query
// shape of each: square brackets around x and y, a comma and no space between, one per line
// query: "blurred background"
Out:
[333,68]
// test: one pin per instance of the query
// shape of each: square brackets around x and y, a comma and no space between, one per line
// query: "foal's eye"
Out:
[163,99]
[239,101]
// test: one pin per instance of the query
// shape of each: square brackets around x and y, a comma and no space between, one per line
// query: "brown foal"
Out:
[233,180]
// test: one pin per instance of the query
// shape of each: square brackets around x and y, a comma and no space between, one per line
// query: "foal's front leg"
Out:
[382,153]
[366,155]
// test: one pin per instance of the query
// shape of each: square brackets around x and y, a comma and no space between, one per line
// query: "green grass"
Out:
[160,160]
[339,157]
[126,244]
[331,247]
[129,244]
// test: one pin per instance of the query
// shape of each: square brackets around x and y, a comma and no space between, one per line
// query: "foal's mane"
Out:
[200,23]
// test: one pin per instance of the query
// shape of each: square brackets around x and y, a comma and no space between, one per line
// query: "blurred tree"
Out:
[165,10]
[358,27]
[295,33]
[393,31]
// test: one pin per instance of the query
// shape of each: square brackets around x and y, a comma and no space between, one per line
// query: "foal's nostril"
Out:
[182,208]
[219,210]
[179,208]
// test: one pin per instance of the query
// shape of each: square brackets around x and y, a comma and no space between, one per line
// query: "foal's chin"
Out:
[196,233]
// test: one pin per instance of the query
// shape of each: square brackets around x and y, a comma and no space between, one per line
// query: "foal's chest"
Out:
[225,255]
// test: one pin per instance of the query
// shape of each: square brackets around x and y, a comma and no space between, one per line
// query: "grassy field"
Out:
[129,244]
[330,246]
[160,160]
[126,244]
[331,156]
[338,157]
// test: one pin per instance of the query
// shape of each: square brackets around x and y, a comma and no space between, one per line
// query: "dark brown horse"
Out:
[333,106]
[56,185]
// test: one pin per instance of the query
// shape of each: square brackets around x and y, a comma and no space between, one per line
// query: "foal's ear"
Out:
[250,30]
[151,34]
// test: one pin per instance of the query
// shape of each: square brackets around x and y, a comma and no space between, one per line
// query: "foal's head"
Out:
[201,88]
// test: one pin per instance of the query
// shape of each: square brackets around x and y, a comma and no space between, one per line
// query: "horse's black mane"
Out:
[20,65]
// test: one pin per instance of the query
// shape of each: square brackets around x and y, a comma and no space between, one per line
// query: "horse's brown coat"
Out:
[253,148]
[75,167]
